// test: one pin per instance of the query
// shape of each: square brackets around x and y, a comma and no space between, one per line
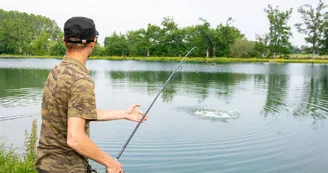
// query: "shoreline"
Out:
[319,60]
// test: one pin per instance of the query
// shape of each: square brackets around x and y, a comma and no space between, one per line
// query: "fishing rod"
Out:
[14,117]
[136,128]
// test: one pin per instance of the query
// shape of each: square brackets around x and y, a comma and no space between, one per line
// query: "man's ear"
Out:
[63,39]
[93,44]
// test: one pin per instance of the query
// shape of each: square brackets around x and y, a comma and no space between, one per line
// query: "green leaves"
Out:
[29,34]
[116,45]
[26,34]
[313,25]
[12,162]
[280,32]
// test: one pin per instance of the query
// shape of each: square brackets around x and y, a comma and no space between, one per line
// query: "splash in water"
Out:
[218,115]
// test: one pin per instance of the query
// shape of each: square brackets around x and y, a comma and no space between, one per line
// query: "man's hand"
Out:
[133,114]
[115,167]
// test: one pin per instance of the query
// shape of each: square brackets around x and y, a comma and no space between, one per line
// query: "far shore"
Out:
[293,59]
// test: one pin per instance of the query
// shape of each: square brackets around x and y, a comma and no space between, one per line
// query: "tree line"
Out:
[29,34]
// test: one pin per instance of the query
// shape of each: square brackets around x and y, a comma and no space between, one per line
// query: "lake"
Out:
[281,123]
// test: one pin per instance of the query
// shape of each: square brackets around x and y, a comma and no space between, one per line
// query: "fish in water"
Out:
[217,114]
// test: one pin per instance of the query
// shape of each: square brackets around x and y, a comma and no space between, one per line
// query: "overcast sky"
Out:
[125,15]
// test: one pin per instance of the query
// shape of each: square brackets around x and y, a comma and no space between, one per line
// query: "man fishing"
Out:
[69,105]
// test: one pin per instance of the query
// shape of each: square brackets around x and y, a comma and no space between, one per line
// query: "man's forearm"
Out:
[108,115]
[84,146]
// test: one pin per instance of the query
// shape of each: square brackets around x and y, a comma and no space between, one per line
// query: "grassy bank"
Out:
[12,162]
[292,59]
[217,60]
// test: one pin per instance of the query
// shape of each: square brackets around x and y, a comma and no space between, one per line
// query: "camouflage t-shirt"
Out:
[68,92]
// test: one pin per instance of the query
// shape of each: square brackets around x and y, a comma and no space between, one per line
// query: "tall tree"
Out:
[313,24]
[324,40]
[220,38]
[152,38]
[280,32]
[205,31]
[227,36]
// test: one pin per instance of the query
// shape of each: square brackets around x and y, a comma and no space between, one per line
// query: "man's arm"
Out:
[131,114]
[82,108]
[81,143]
[109,115]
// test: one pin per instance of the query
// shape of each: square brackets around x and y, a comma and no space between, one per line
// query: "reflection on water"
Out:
[313,99]
[277,90]
[21,87]
[225,118]
[197,84]
[312,102]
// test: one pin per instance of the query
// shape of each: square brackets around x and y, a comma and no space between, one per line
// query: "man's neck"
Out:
[77,55]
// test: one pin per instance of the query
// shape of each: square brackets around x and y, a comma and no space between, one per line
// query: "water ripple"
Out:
[225,153]
[21,97]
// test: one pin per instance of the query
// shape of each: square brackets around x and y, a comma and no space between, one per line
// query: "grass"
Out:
[216,60]
[12,162]
[293,59]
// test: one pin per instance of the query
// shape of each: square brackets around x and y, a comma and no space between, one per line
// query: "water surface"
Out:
[281,124]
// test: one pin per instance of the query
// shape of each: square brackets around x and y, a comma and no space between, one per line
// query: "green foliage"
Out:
[169,40]
[243,48]
[280,32]
[116,45]
[98,50]
[41,37]
[313,24]
[323,42]
[261,46]
[30,143]
[11,162]
[26,34]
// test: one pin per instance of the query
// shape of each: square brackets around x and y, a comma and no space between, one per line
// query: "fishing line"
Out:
[14,117]
[135,129]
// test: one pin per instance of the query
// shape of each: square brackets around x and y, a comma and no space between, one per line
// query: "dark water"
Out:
[281,125]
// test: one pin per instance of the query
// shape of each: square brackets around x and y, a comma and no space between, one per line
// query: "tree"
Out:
[323,42]
[219,38]
[152,38]
[206,34]
[242,48]
[262,45]
[26,34]
[280,32]
[116,45]
[41,44]
[229,34]
[313,24]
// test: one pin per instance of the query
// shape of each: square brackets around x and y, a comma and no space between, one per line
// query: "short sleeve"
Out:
[82,101]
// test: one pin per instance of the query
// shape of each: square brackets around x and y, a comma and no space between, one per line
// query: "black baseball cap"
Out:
[81,28]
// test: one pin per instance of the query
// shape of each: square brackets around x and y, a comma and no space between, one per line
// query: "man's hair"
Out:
[75,46]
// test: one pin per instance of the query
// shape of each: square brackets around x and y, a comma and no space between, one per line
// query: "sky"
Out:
[126,15]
